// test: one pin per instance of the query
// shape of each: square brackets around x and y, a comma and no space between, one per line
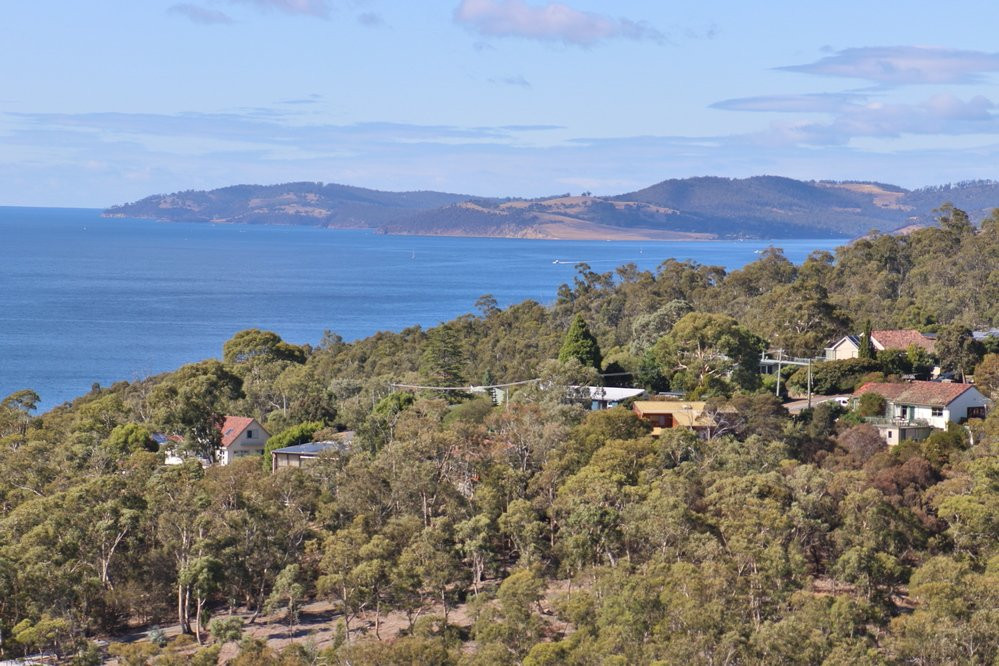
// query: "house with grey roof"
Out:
[301,455]
[603,397]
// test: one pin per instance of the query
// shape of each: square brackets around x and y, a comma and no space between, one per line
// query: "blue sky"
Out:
[105,102]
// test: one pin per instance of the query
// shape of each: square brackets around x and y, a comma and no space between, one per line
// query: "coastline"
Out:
[552,231]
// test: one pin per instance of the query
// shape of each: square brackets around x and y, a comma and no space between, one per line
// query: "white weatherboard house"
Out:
[914,409]
[241,436]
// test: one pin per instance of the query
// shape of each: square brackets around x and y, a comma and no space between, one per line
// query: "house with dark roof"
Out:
[241,436]
[914,409]
[304,454]
[849,346]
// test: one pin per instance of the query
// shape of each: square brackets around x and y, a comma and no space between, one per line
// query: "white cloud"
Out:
[898,65]
[551,22]
[855,116]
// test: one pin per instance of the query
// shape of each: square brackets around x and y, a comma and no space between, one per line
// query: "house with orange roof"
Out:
[665,414]
[241,436]
[849,346]
[914,409]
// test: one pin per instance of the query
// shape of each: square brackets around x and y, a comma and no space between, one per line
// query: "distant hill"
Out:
[313,204]
[688,208]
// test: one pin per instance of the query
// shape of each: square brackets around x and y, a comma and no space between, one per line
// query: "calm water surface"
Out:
[87,300]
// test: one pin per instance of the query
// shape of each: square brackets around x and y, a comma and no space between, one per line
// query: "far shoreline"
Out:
[592,233]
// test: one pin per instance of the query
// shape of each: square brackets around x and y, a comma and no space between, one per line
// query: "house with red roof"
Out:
[914,409]
[241,436]
[849,346]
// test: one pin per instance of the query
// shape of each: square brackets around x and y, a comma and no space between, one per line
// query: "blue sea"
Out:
[85,299]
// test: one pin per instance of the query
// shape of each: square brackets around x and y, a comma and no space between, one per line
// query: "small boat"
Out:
[556,261]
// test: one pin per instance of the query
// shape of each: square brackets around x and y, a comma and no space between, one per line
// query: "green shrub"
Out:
[872,404]
[833,377]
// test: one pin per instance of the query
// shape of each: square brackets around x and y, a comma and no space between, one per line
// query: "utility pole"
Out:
[809,383]
[780,356]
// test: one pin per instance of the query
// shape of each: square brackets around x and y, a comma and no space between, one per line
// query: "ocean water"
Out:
[85,299]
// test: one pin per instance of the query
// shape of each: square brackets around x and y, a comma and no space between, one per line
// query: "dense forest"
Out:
[456,531]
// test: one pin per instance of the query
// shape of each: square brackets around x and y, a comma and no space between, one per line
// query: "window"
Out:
[938,411]
[249,434]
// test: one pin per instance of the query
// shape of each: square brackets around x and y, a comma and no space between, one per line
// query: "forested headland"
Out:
[456,531]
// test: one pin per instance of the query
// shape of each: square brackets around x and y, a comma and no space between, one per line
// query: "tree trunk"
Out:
[183,609]
[197,619]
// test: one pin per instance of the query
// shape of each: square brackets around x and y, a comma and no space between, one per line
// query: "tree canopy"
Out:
[458,531]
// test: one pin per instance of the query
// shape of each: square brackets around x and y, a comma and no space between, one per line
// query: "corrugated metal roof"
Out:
[314,448]
[611,393]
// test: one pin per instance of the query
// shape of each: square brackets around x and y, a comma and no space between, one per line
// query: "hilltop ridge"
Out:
[689,208]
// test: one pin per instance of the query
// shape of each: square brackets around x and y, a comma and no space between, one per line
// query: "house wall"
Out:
[922,413]
[597,405]
[897,434]
[250,442]
[970,398]
[842,351]
[286,460]
[659,420]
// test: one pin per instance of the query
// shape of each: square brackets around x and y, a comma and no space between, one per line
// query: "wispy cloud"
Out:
[370,19]
[855,116]
[554,22]
[316,8]
[806,103]
[262,127]
[530,128]
[200,14]
[314,98]
[516,80]
[898,65]
[102,158]
[941,115]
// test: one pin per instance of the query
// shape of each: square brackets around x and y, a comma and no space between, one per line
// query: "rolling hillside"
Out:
[313,204]
[689,208]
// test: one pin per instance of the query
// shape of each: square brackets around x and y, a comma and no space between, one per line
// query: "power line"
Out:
[420,387]
[462,388]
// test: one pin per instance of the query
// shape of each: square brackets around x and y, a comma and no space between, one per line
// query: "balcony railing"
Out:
[897,421]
